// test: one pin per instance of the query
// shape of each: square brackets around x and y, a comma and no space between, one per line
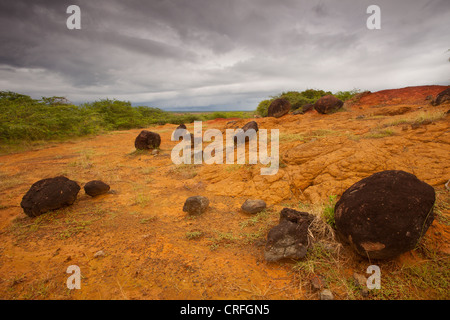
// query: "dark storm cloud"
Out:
[230,53]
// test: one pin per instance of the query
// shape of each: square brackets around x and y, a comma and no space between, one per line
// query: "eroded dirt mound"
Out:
[408,95]
[154,250]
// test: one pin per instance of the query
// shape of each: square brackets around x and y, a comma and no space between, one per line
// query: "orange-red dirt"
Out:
[415,95]
[153,250]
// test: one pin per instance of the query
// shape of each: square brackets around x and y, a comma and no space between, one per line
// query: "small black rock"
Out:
[253,206]
[196,205]
[96,187]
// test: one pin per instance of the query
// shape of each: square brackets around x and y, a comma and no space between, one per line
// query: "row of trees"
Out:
[24,118]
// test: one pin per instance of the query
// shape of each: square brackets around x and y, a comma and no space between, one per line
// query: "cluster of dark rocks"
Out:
[55,193]
[380,217]
[148,140]
[325,105]
[197,205]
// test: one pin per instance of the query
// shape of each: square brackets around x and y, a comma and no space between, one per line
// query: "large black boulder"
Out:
[278,108]
[49,194]
[328,104]
[147,140]
[386,214]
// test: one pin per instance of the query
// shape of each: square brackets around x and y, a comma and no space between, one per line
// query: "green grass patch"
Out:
[193,235]
[428,117]
[417,119]
[184,171]
[148,220]
[289,137]
[260,217]
[142,199]
[442,207]
[328,211]
[233,167]
[307,136]
[60,224]
[379,134]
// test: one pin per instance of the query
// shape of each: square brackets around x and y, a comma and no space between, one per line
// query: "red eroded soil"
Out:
[408,95]
[153,250]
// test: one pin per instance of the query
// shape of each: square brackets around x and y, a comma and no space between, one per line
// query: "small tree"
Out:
[52,101]
[263,108]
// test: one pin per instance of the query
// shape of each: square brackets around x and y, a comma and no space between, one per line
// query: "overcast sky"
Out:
[228,54]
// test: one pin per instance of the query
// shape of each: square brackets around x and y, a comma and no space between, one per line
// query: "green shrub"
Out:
[314,94]
[23,118]
[263,107]
[346,95]
[116,114]
[328,211]
[299,99]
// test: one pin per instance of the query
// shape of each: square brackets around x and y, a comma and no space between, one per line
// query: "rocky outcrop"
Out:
[442,97]
[289,239]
